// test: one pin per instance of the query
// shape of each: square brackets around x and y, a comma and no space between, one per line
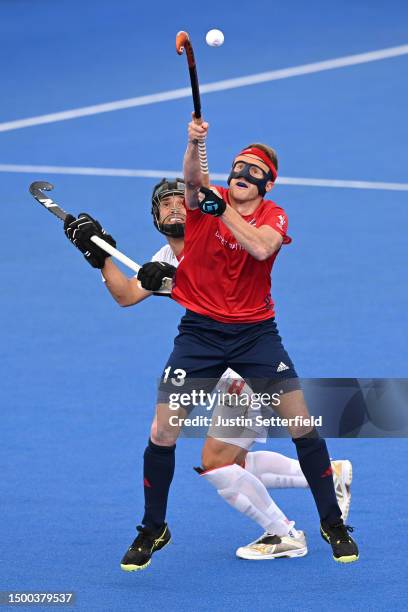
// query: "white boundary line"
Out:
[185,92]
[130,173]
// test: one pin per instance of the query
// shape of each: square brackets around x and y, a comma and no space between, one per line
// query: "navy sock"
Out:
[315,464]
[158,471]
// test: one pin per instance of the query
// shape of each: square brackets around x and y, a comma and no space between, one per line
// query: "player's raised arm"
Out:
[191,167]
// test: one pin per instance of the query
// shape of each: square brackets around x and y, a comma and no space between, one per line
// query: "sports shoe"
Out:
[342,477]
[344,548]
[140,552]
[271,547]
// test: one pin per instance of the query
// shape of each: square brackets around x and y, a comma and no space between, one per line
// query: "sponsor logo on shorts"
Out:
[281,367]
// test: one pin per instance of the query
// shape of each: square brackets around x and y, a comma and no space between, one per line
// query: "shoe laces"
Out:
[340,532]
[144,537]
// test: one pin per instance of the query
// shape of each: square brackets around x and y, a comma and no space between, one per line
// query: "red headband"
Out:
[259,153]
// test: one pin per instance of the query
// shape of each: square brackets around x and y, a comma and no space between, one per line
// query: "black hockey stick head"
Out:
[183,43]
[37,188]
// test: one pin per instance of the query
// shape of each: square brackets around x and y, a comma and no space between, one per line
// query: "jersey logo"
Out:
[281,221]
[268,302]
[281,367]
[234,246]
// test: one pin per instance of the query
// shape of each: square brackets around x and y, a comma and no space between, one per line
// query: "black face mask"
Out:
[245,174]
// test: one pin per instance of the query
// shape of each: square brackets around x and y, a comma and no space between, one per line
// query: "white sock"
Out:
[246,493]
[274,470]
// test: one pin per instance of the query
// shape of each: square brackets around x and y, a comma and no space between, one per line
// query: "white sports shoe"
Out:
[342,477]
[271,547]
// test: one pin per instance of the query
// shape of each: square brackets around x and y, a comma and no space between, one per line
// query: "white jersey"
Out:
[166,254]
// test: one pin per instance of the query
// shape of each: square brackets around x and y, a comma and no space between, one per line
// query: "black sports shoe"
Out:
[344,548]
[139,554]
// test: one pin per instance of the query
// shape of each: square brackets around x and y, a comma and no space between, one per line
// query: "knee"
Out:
[216,454]
[162,436]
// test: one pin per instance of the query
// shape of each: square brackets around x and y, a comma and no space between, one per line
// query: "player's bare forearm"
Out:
[125,291]
[191,167]
[192,175]
[260,242]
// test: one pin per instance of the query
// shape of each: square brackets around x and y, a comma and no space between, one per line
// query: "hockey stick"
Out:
[38,187]
[183,42]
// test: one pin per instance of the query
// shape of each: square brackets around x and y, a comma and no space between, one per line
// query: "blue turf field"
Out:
[79,373]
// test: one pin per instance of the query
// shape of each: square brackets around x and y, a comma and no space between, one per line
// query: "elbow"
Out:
[132,299]
[123,302]
[261,254]
[263,251]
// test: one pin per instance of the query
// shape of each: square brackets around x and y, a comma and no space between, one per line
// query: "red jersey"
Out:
[217,277]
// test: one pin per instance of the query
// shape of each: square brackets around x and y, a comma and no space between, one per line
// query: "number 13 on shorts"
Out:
[178,378]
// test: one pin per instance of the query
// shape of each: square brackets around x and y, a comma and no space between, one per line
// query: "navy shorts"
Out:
[205,348]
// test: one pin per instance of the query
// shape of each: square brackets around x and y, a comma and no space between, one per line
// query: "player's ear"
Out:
[269,186]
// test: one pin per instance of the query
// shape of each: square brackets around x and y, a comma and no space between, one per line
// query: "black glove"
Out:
[79,232]
[151,274]
[211,204]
